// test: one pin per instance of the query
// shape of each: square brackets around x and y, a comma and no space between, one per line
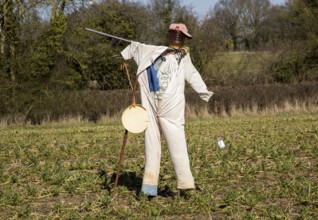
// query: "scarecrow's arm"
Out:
[194,78]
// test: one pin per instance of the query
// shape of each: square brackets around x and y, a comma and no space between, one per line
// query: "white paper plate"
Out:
[135,118]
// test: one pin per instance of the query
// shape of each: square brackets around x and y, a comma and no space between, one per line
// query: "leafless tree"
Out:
[242,21]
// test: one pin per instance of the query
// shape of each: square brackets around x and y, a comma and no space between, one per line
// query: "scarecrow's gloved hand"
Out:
[215,98]
[215,103]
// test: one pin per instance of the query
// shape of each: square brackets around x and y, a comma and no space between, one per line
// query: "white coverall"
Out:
[165,115]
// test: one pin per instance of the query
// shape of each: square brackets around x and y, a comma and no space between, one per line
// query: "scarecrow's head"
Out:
[177,34]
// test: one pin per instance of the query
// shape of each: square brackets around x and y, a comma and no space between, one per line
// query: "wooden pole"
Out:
[121,156]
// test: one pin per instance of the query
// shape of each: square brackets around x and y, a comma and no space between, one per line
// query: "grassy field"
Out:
[268,170]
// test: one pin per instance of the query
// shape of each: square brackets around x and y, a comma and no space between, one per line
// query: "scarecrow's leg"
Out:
[153,156]
[176,141]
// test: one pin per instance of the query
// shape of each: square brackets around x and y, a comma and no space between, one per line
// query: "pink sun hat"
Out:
[180,27]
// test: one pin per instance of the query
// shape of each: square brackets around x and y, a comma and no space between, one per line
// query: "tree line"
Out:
[44,48]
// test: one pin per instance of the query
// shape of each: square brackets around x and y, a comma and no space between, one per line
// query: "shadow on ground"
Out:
[131,181]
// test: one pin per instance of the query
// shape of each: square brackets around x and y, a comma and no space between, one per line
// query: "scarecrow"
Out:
[162,72]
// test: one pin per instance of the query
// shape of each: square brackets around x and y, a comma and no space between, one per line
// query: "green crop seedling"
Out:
[268,170]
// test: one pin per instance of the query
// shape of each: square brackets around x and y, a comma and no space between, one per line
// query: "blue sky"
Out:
[201,7]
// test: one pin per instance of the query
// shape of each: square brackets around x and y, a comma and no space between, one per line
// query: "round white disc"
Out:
[135,118]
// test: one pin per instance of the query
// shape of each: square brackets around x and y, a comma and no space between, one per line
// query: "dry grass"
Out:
[287,107]
[82,106]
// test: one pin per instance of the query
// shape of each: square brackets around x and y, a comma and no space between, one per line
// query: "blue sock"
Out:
[150,190]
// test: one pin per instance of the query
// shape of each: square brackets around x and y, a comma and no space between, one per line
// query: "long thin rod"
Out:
[108,35]
[120,159]
[133,101]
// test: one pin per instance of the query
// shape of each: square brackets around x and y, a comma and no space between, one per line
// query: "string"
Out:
[124,66]
[217,125]
[216,105]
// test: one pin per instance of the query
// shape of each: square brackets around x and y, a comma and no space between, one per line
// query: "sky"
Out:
[201,7]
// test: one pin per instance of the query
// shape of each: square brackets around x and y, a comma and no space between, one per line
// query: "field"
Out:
[268,170]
